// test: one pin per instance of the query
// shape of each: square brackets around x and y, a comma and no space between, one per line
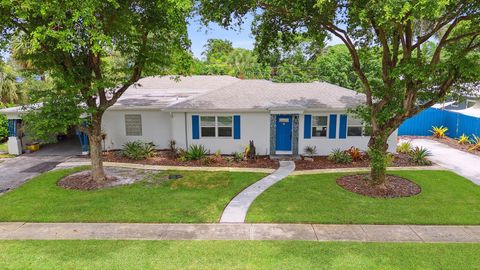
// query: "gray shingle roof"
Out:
[159,92]
[267,95]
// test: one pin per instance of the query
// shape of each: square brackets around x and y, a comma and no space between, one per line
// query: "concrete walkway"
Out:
[236,210]
[306,232]
[460,162]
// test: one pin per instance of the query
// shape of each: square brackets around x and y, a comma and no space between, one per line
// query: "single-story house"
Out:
[224,113]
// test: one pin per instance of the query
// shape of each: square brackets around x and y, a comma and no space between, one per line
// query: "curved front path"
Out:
[236,210]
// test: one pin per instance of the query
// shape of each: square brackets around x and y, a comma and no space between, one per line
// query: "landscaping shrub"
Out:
[339,156]
[355,153]
[464,139]
[419,156]
[238,156]
[310,150]
[138,150]
[404,147]
[195,152]
[439,132]
[476,143]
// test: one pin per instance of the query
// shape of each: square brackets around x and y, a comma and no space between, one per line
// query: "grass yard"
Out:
[234,255]
[446,198]
[197,197]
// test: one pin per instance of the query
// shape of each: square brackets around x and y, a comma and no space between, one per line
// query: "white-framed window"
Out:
[216,126]
[133,124]
[355,127]
[319,125]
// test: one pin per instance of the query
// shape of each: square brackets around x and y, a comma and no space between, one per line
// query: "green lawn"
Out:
[446,198]
[197,197]
[234,255]
[4,147]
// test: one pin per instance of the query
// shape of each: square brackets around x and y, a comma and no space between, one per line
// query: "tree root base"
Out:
[394,186]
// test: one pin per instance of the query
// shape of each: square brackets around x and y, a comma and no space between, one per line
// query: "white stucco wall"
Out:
[159,127]
[325,145]
[156,128]
[253,126]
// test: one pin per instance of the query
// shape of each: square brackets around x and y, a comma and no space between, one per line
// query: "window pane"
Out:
[354,131]
[319,121]
[208,131]
[133,124]
[224,132]
[354,122]
[319,131]
[207,121]
[224,121]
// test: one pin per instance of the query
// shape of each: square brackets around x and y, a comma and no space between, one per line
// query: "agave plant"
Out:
[419,156]
[137,150]
[339,156]
[476,143]
[464,139]
[439,132]
[404,147]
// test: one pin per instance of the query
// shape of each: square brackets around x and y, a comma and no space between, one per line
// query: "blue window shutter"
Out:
[195,127]
[343,126]
[332,128]
[236,127]
[307,126]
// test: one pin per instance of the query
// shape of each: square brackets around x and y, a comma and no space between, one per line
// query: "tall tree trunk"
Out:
[378,158]
[95,140]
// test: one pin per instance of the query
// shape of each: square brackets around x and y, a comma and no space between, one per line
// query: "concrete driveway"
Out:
[16,171]
[460,162]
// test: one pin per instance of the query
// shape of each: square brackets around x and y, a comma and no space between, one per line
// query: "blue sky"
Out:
[199,34]
[240,37]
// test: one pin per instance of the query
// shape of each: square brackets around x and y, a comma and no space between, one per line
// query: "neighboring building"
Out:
[224,113]
[460,117]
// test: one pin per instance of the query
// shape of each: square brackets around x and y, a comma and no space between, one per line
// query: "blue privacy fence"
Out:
[457,123]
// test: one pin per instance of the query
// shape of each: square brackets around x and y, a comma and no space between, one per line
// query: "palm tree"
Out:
[10,92]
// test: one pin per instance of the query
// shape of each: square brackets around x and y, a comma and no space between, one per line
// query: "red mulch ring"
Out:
[321,162]
[83,181]
[396,186]
[448,141]
[163,158]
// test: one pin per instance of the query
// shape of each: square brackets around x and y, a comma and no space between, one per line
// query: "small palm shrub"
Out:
[138,150]
[404,147]
[464,139]
[194,152]
[419,156]
[439,132]
[173,150]
[310,150]
[476,143]
[238,156]
[339,156]
[355,153]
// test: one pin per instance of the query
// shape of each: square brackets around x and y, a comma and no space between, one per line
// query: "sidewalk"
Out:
[218,231]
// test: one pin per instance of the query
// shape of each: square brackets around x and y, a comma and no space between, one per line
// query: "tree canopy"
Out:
[413,74]
[95,50]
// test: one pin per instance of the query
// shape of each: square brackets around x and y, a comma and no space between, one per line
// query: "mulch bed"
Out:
[395,186]
[163,158]
[84,181]
[321,162]
[448,141]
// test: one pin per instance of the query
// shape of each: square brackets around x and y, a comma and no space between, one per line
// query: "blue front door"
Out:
[284,133]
